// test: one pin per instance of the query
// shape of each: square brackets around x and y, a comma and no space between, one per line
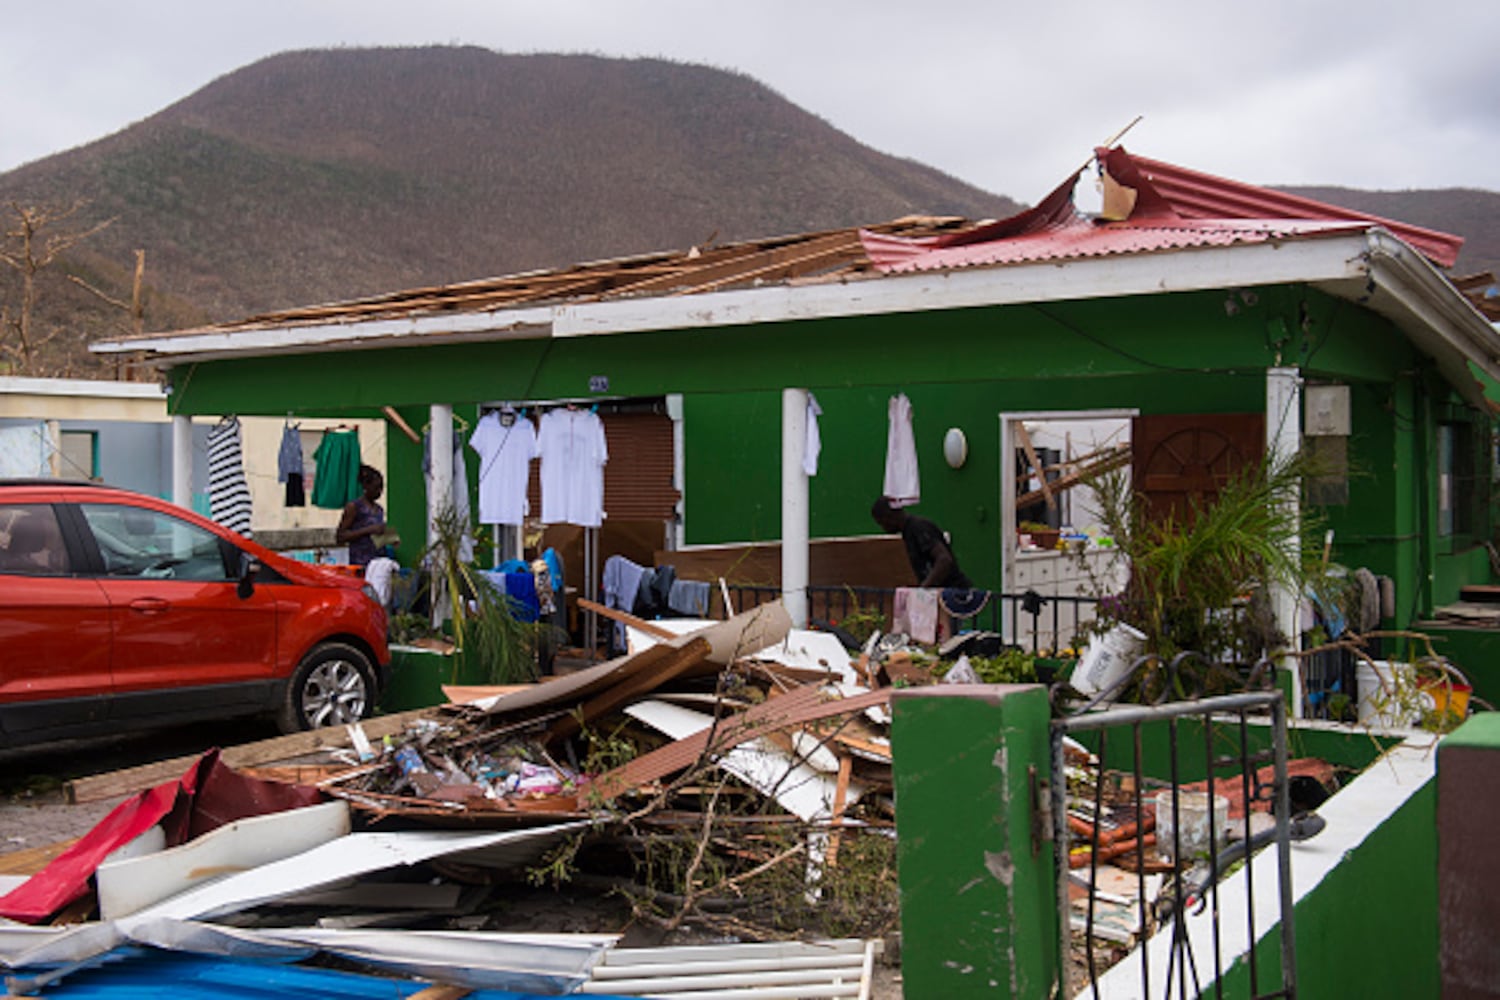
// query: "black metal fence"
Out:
[1101,811]
[1040,624]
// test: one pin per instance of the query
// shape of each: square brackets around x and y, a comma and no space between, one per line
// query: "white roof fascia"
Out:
[1404,287]
[100,389]
[1273,262]
[498,324]
[1369,267]
[1324,258]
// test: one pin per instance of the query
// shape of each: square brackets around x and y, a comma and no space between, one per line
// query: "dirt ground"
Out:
[34,814]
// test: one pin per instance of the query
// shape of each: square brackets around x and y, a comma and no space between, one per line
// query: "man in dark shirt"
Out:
[927,548]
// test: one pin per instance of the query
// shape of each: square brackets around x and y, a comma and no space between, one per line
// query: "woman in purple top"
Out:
[363,519]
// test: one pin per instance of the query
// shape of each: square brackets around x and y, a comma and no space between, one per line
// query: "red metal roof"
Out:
[1194,195]
[1173,209]
[1082,238]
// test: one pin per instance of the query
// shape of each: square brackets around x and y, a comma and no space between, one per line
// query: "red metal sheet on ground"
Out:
[207,796]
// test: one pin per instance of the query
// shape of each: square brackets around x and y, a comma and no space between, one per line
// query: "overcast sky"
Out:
[1010,96]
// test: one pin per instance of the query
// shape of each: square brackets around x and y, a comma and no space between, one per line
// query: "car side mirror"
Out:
[249,566]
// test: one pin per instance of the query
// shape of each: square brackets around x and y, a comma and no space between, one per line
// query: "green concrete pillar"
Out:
[978,891]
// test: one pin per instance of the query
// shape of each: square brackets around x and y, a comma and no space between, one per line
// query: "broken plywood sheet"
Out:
[349,856]
[128,884]
[795,707]
[800,649]
[753,629]
[802,791]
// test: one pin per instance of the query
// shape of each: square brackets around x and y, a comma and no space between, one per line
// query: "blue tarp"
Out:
[132,972]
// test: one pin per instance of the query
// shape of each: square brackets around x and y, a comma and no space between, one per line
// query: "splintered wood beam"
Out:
[625,617]
[840,796]
[138,779]
[633,683]
[1082,474]
[401,424]
[1034,465]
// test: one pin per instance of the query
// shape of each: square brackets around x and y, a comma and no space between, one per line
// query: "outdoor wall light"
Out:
[955,447]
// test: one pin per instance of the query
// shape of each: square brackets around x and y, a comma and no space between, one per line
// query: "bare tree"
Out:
[35,238]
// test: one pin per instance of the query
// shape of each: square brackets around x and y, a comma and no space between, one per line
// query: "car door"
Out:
[54,629]
[185,641]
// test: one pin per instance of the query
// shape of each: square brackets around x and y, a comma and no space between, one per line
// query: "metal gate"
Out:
[1185,918]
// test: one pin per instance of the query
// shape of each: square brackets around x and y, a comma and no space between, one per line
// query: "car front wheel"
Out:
[333,686]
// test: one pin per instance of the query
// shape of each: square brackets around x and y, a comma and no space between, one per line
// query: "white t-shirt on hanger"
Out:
[573,451]
[505,455]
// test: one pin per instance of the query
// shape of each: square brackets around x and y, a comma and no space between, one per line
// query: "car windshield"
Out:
[135,541]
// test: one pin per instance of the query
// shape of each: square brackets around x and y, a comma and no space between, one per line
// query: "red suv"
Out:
[120,611]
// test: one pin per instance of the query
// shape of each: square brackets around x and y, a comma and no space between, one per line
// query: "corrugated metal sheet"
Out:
[1195,195]
[1175,209]
[1082,238]
[781,969]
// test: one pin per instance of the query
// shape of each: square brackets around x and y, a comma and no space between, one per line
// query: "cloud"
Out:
[1007,96]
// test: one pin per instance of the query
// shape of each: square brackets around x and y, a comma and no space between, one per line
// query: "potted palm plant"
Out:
[1200,577]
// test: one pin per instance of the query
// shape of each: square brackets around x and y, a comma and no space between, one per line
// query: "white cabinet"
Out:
[1059,574]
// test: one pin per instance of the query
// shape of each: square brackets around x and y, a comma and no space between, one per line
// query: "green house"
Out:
[1188,317]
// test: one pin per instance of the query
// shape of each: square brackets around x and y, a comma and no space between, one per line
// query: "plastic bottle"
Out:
[410,762]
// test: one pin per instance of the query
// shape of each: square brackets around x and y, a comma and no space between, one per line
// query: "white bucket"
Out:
[1107,659]
[1190,823]
[1386,694]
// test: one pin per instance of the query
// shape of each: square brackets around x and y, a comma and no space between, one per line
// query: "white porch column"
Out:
[794,507]
[440,460]
[54,450]
[182,461]
[1283,440]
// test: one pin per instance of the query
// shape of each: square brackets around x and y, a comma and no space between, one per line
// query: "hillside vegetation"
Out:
[325,175]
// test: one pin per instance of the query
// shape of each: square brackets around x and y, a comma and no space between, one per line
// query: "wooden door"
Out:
[1183,458]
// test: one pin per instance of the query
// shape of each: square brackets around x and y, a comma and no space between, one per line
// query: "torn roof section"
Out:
[1170,230]
[1148,206]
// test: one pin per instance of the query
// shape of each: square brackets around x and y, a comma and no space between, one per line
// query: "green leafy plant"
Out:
[1199,576]
[861,621]
[406,627]
[1010,666]
[485,630]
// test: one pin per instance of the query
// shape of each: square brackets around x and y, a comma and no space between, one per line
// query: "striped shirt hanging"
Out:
[228,492]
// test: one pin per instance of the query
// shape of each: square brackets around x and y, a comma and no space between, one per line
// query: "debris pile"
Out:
[727,782]
[1141,851]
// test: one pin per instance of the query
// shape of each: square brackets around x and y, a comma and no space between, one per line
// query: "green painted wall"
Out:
[978,894]
[1177,353]
[853,427]
[1476,652]
[1353,749]
[1370,927]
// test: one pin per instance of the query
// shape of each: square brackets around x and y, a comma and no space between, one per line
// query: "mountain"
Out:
[321,175]
[1468,212]
[317,176]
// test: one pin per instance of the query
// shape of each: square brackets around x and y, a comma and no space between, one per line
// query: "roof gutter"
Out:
[1407,289]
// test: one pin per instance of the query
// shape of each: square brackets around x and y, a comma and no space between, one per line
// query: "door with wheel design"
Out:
[1185,459]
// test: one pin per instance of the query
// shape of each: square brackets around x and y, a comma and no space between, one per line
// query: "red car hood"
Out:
[307,573]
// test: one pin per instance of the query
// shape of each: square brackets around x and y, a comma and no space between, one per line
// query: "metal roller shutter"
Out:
[638,478]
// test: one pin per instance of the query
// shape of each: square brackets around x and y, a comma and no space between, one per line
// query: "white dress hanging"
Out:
[902,482]
[813,443]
